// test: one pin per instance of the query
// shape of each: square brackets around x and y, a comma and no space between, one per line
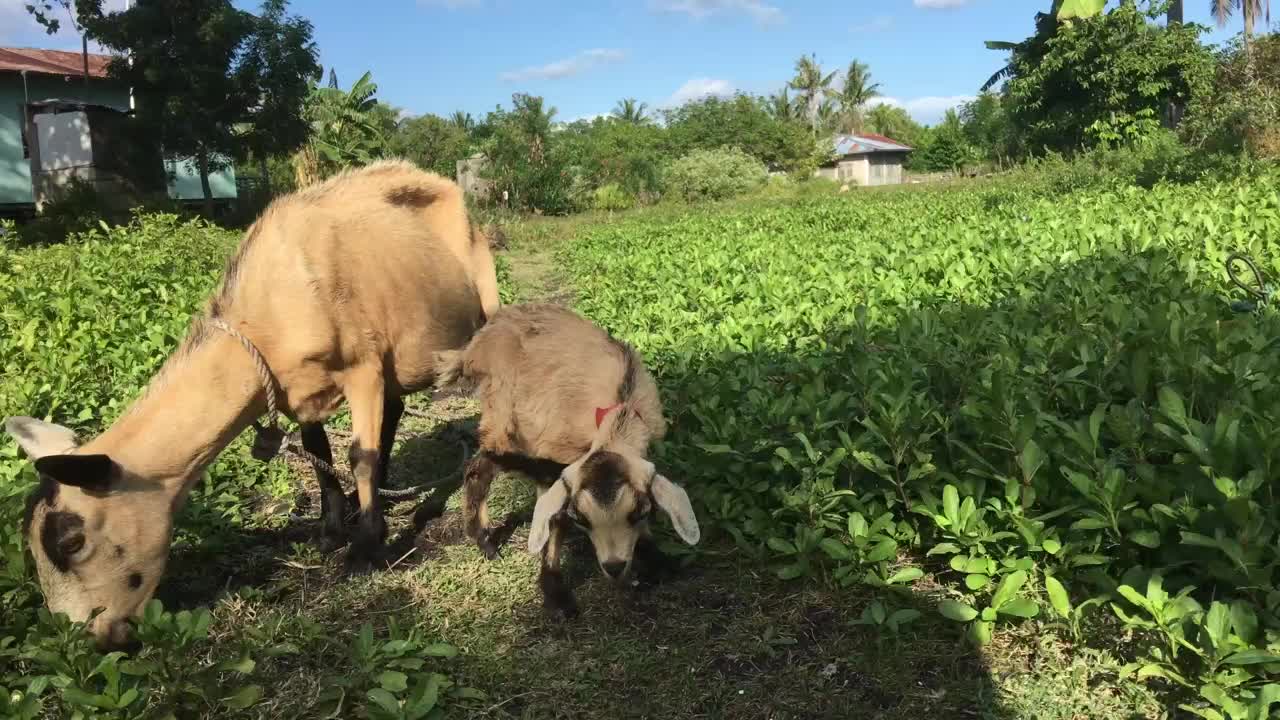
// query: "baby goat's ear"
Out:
[550,502]
[674,501]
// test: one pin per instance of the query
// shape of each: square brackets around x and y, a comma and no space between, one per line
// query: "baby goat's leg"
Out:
[556,595]
[475,506]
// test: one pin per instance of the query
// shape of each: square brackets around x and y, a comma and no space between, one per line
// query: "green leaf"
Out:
[393,681]
[1058,596]
[1089,524]
[951,505]
[957,611]
[244,665]
[857,525]
[385,700]
[1172,406]
[976,581]
[1051,546]
[1252,656]
[1145,538]
[883,550]
[443,650]
[980,632]
[1031,460]
[1009,587]
[243,698]
[1020,607]
[792,571]
[781,546]
[905,575]
[1083,9]
[835,549]
[75,696]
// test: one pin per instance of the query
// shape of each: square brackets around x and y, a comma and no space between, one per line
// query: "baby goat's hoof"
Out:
[487,546]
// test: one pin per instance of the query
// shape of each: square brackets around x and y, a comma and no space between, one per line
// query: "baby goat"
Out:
[574,410]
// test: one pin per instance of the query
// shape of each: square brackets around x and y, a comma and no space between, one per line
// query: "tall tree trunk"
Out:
[1175,108]
[266,176]
[84,46]
[203,158]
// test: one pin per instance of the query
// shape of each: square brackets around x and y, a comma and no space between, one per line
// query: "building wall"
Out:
[15,169]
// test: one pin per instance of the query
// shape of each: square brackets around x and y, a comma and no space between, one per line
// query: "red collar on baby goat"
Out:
[540,371]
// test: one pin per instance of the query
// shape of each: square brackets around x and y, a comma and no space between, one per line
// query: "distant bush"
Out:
[612,197]
[715,174]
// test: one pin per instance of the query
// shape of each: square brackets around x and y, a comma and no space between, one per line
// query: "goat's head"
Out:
[99,536]
[611,496]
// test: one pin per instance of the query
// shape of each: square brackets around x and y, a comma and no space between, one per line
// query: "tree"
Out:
[431,142]
[896,123]
[1104,80]
[200,69]
[945,147]
[740,121]
[783,107]
[855,92]
[281,61]
[346,130]
[986,127]
[812,85]
[44,12]
[522,158]
[1251,10]
[628,110]
[463,121]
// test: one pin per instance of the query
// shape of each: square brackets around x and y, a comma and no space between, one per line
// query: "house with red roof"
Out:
[58,122]
[865,159]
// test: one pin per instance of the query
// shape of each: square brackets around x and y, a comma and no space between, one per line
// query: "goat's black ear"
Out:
[95,473]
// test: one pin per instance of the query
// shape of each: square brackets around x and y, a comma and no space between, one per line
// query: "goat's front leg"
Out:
[557,598]
[333,503]
[366,394]
[475,507]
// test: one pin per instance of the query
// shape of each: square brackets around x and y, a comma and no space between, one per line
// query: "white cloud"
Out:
[940,4]
[879,23]
[567,67]
[699,88]
[762,12]
[928,109]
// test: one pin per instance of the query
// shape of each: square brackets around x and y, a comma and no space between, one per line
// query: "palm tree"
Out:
[812,85]
[463,121]
[854,94]
[782,106]
[1250,9]
[828,118]
[630,111]
[347,130]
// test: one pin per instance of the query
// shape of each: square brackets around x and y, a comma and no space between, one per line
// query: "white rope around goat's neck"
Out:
[270,439]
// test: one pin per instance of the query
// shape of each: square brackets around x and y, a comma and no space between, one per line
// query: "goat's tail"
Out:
[449,372]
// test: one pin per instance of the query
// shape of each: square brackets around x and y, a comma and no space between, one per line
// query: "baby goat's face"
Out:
[611,503]
[612,496]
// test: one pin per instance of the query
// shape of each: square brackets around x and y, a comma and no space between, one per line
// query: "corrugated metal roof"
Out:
[52,62]
[867,143]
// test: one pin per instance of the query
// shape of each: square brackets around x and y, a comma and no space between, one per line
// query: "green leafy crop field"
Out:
[962,417]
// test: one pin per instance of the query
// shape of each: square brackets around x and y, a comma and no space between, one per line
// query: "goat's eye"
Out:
[72,545]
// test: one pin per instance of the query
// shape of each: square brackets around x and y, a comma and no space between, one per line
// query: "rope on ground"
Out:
[1261,290]
[270,439]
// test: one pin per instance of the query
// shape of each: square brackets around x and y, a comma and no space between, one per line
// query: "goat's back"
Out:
[542,371]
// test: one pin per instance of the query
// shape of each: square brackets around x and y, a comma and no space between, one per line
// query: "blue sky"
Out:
[445,55]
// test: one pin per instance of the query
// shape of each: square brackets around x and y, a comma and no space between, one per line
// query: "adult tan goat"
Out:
[573,409]
[347,290]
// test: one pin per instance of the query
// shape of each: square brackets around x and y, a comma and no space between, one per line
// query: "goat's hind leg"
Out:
[475,508]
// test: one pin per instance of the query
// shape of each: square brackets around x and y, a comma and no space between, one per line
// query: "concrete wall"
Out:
[865,170]
[15,168]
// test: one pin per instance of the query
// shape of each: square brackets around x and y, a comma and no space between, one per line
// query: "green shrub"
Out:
[1045,402]
[612,197]
[714,174]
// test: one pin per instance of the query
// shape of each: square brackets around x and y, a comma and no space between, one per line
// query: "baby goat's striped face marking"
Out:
[612,497]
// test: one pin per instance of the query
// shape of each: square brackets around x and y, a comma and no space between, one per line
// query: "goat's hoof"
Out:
[329,542]
[487,546]
[562,609]
[360,562]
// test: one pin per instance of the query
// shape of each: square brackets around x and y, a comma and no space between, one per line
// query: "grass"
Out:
[721,637]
